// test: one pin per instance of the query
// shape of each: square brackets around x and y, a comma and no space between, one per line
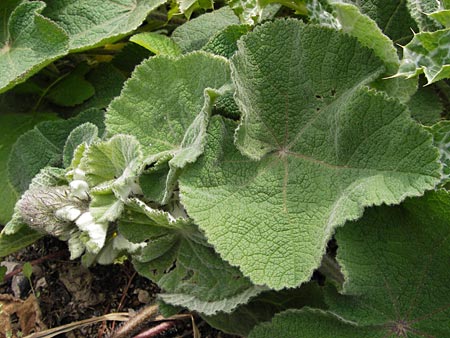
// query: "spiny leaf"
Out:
[441,136]
[84,133]
[427,53]
[420,9]
[321,148]
[28,41]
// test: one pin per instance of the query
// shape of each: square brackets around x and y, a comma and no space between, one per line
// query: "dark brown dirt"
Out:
[67,292]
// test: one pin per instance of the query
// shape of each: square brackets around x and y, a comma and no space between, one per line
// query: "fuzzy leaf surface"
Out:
[318,149]
[425,105]
[92,23]
[394,262]
[43,146]
[194,34]
[392,16]
[264,306]
[224,43]
[28,41]
[353,22]
[310,323]
[11,127]
[167,106]
[84,133]
[183,264]
[163,99]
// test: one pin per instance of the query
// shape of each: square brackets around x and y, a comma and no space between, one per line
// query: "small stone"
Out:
[20,286]
[144,297]
[41,283]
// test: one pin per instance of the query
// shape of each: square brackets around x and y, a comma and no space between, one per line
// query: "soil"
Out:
[66,292]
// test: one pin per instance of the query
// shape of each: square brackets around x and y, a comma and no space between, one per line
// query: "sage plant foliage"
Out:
[266,172]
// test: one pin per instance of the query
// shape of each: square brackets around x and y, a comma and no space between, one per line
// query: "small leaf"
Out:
[426,106]
[107,81]
[27,270]
[158,44]
[84,133]
[3,270]
[224,42]
[28,41]
[118,159]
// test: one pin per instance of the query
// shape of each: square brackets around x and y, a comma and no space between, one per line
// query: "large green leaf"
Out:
[28,41]
[394,260]
[163,99]
[353,22]
[11,127]
[167,106]
[310,323]
[43,146]
[92,23]
[183,264]
[194,34]
[321,148]
[264,306]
